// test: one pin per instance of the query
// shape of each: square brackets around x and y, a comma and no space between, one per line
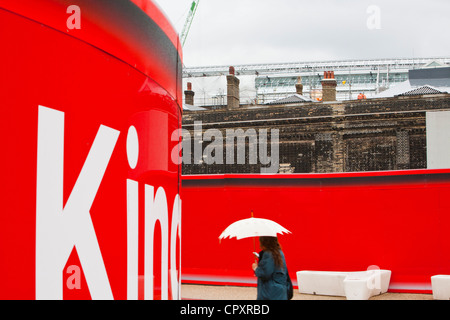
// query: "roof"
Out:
[422,90]
[190,107]
[434,64]
[421,81]
[295,98]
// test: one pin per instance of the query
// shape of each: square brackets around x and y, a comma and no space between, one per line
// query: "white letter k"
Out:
[59,229]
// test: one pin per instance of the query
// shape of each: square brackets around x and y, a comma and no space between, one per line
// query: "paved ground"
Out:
[204,292]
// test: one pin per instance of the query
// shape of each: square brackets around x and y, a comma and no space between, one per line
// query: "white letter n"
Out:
[58,228]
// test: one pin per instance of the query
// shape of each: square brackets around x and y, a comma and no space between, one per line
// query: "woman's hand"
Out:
[254,266]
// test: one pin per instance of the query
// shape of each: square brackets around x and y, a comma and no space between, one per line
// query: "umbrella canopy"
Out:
[253,227]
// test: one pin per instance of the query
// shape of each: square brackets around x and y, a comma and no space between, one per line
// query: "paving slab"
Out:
[211,292]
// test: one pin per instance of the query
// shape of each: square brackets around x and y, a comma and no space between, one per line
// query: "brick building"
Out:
[313,137]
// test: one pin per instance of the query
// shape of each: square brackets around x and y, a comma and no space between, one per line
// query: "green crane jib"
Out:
[187,24]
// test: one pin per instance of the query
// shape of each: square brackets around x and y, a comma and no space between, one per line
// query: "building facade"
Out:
[312,137]
[368,135]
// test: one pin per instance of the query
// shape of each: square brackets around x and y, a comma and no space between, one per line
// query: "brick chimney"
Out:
[299,86]
[189,95]
[329,84]
[232,90]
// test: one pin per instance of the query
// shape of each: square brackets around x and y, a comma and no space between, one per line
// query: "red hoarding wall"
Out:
[86,137]
[339,222]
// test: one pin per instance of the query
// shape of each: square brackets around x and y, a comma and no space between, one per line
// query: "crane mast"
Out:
[188,23]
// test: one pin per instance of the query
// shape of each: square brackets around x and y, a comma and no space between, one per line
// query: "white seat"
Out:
[440,285]
[358,285]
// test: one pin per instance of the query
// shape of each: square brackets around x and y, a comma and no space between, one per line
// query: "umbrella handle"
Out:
[254,246]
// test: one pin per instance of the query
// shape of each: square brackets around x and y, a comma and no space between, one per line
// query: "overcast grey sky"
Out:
[233,32]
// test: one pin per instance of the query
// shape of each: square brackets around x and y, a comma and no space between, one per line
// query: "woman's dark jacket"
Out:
[272,280]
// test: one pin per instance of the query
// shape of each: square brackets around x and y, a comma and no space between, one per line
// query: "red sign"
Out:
[90,197]
[339,222]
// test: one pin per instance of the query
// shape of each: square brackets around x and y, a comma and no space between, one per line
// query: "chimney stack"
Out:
[189,95]
[232,90]
[329,84]
[299,86]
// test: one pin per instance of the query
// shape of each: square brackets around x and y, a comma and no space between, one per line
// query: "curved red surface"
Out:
[135,32]
[156,15]
[102,78]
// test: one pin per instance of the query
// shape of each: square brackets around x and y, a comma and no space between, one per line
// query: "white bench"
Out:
[358,285]
[440,284]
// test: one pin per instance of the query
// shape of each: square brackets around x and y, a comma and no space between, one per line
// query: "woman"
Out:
[271,270]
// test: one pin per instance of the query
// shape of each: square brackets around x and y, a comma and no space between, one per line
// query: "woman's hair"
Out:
[272,245]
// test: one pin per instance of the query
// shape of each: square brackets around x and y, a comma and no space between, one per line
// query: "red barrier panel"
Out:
[339,222]
[90,96]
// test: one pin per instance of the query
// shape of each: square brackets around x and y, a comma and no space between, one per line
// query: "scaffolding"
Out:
[277,80]
[319,66]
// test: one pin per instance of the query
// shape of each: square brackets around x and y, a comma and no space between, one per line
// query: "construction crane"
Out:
[188,23]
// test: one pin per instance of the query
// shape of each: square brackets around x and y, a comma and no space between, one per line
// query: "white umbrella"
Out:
[253,227]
